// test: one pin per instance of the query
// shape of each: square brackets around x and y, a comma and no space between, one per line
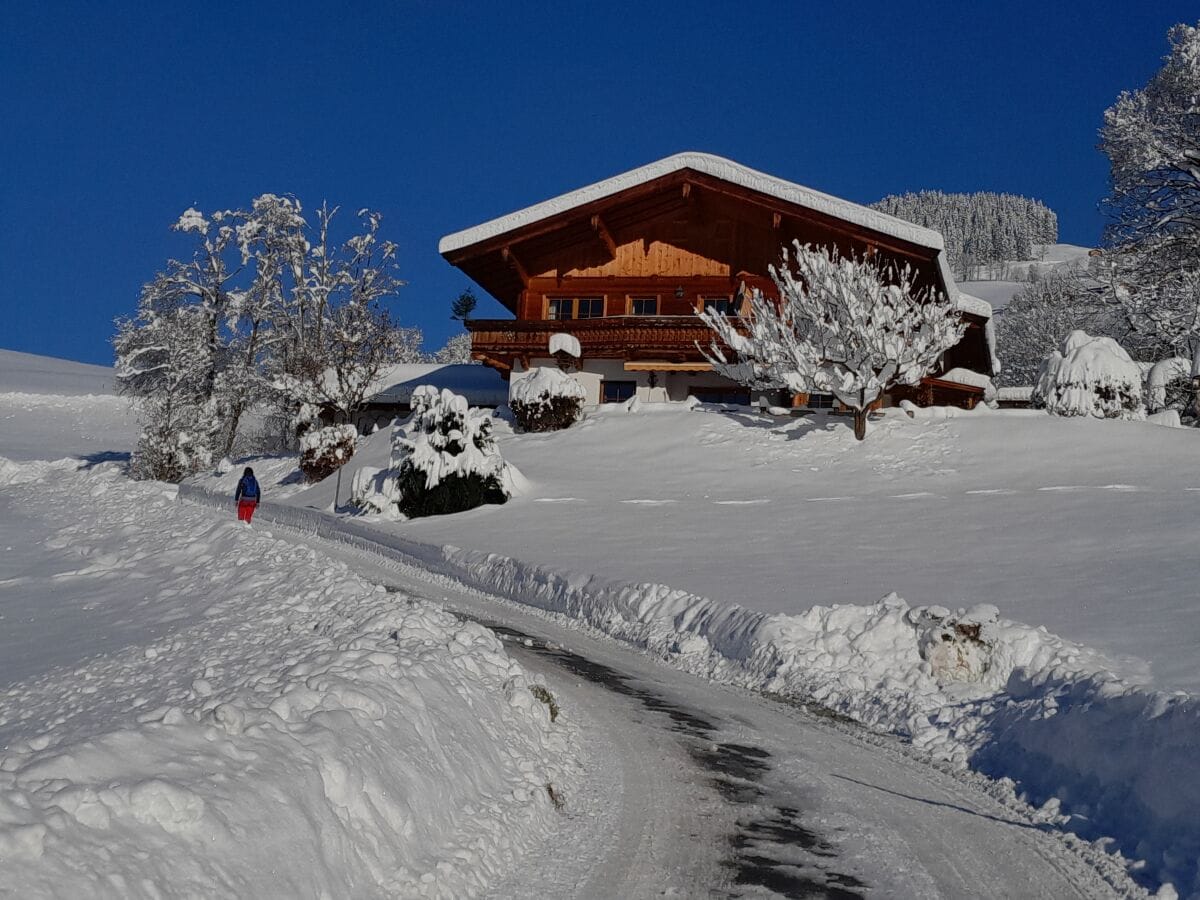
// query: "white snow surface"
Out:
[745,548]
[541,383]
[26,373]
[1075,525]
[565,343]
[967,377]
[975,305]
[192,707]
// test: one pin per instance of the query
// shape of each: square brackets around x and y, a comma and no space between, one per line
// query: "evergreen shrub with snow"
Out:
[448,459]
[325,450]
[1090,376]
[546,400]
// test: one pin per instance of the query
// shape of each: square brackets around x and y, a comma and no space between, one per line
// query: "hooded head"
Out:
[249,473]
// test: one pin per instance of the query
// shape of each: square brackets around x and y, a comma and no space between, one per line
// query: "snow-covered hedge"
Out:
[546,400]
[445,457]
[325,450]
[1090,376]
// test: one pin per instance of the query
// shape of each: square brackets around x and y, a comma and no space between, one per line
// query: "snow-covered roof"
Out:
[965,376]
[970,304]
[481,385]
[717,167]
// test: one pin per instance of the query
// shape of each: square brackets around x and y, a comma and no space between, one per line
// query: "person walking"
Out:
[247,496]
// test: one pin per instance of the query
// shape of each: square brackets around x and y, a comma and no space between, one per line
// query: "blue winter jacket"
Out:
[247,489]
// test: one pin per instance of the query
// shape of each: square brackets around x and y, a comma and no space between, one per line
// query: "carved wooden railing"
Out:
[668,337]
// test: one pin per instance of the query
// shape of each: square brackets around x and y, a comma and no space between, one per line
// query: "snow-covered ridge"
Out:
[707,163]
[28,373]
[1021,703]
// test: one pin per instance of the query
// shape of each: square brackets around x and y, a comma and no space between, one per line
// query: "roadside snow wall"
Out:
[1107,759]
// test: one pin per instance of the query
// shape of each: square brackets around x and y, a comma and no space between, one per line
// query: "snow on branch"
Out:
[842,325]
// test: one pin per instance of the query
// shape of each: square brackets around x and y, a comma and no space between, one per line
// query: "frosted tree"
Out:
[178,355]
[332,333]
[1043,313]
[846,326]
[456,350]
[982,230]
[163,361]
[1152,139]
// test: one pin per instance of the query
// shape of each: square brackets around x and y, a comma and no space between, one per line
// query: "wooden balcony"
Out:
[498,342]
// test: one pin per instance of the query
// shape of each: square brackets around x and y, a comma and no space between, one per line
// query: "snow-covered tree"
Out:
[283,314]
[1090,376]
[181,354]
[982,230]
[162,361]
[446,456]
[456,351]
[1037,319]
[846,326]
[1152,139]
[333,334]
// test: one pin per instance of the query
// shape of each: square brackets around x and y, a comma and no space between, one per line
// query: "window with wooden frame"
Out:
[643,306]
[574,307]
[722,304]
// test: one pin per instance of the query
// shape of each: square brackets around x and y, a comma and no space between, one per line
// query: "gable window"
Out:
[574,307]
[643,306]
[722,305]
[617,391]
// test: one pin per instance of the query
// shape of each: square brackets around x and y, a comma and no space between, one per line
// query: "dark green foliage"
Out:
[454,493]
[463,306]
[548,414]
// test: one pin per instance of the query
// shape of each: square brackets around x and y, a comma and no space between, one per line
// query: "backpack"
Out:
[249,487]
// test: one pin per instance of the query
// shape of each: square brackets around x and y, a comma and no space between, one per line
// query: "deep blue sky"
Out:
[116,117]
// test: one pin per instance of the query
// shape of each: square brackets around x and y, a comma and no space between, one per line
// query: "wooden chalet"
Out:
[624,266]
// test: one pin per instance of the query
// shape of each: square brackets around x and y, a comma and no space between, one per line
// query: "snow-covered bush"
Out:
[447,457]
[1169,385]
[325,450]
[1090,376]
[546,400]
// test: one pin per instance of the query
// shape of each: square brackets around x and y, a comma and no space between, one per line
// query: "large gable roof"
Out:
[708,164]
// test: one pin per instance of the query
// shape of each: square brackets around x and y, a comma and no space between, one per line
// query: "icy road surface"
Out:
[694,789]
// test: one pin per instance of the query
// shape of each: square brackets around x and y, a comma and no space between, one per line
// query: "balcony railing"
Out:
[673,337]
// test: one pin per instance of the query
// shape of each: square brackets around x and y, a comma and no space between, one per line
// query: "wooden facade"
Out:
[625,265]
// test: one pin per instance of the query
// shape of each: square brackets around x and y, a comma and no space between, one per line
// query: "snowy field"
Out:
[56,407]
[1051,258]
[171,681]
[783,555]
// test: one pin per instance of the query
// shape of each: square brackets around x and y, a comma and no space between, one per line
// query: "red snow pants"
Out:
[246,510]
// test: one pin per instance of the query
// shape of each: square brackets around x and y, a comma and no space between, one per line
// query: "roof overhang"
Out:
[708,164]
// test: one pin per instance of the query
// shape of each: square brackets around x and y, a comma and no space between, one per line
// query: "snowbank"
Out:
[280,728]
[967,686]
